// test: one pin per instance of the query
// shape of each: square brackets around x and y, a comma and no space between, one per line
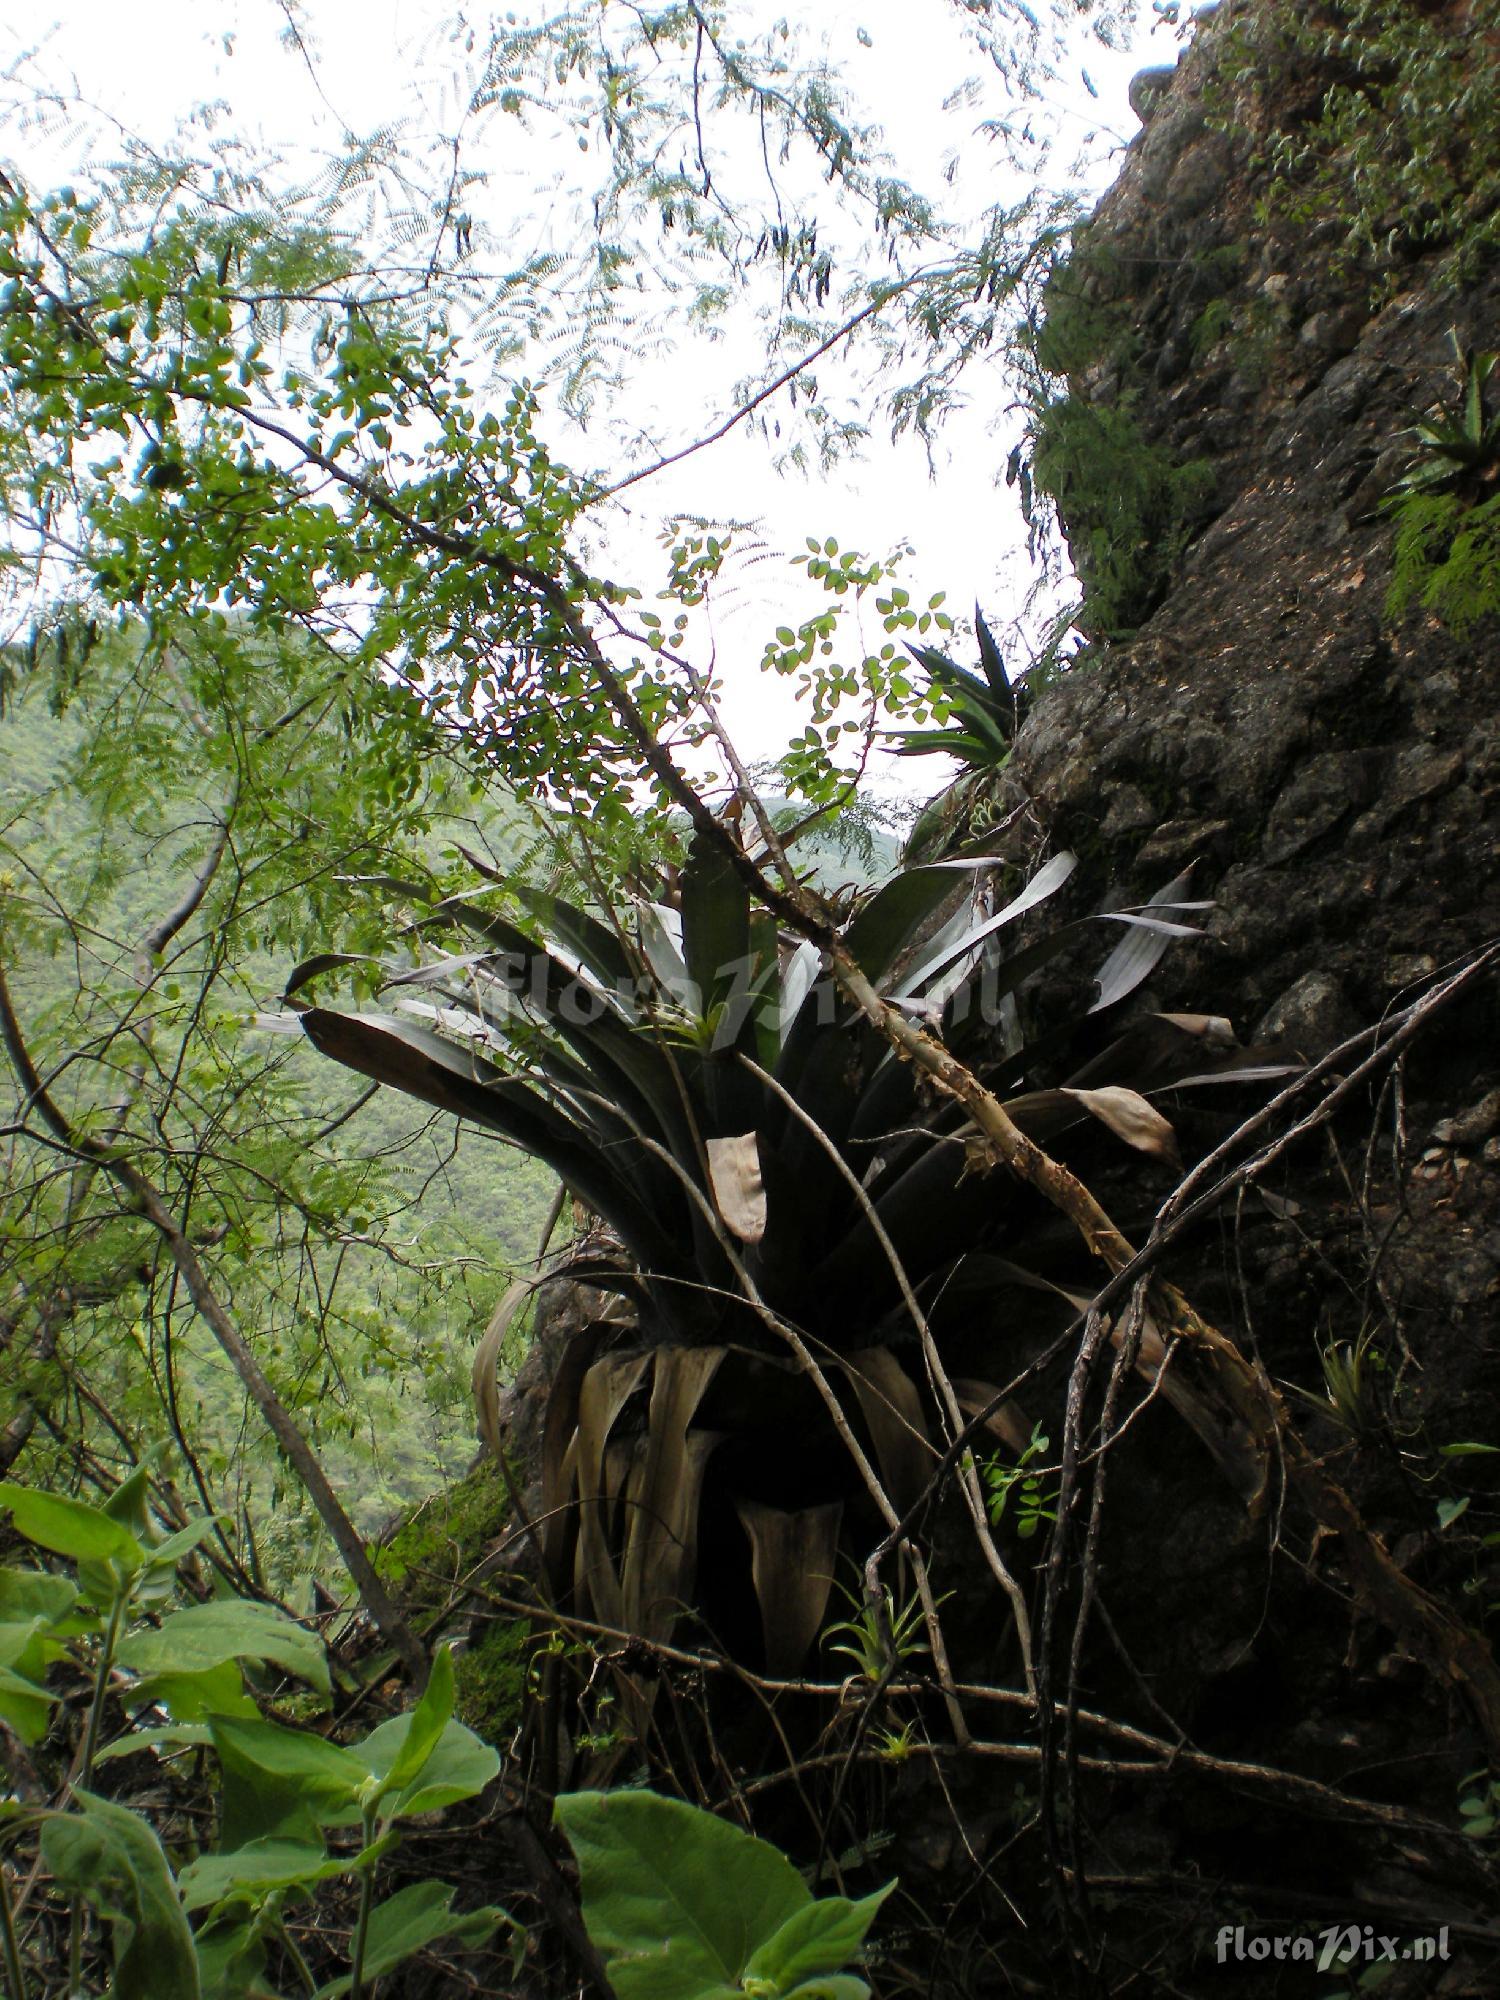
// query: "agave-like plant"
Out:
[1458,451]
[780,1187]
[985,709]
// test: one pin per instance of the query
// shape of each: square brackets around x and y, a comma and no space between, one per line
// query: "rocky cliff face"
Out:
[1331,774]
[1254,708]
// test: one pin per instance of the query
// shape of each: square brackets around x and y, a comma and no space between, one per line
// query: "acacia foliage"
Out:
[188,807]
[689,160]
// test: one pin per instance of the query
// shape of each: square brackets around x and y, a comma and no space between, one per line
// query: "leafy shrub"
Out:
[1128,506]
[282,1789]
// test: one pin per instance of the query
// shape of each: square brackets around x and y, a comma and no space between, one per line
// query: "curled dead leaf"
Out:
[1131,1118]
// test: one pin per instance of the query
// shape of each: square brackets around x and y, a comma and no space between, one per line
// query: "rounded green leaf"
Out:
[458,1766]
[282,1782]
[677,1901]
[207,1635]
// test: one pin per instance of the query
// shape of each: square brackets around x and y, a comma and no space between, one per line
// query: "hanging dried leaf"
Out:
[607,1388]
[892,1409]
[560,1454]
[791,1563]
[485,1377]
[1008,1422]
[738,1190]
[1202,1408]
[1131,1118]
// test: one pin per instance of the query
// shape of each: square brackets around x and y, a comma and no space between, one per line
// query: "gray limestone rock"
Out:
[1312,1016]
[1147,88]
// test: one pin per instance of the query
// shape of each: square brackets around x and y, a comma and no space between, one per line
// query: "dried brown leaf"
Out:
[1131,1118]
[739,1192]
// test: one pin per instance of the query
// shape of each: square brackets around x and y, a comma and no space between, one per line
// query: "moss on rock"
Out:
[445,1537]
[492,1677]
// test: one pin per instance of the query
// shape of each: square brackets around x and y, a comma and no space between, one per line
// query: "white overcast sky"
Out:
[141,68]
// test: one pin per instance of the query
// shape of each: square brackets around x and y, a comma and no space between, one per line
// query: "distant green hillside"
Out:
[364,1291]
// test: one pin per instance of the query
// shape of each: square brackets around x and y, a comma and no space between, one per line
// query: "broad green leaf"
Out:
[819,1939]
[193,1697]
[24,1705]
[835,1986]
[70,1527]
[20,1642]
[458,1767]
[111,1858]
[425,1724]
[252,1871]
[177,1736]
[715,925]
[128,1503]
[231,1959]
[282,1781]
[206,1635]
[167,1554]
[677,1901]
[409,1921]
[35,1593]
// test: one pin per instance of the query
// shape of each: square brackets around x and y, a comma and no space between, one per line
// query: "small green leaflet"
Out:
[409,1921]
